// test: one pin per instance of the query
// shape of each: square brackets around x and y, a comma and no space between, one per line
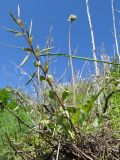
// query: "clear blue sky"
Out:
[46,13]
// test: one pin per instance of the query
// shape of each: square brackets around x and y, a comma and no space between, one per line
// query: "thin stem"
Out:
[115,32]
[51,85]
[92,38]
[71,65]
[78,57]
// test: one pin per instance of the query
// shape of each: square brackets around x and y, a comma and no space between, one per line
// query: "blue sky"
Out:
[46,13]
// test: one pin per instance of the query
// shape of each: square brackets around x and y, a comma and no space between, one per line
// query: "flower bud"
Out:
[72,18]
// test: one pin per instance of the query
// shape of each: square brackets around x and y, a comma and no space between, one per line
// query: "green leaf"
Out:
[14,18]
[90,103]
[42,78]
[31,78]
[65,94]
[27,49]
[46,49]
[37,51]
[37,64]
[52,94]
[30,40]
[27,32]
[12,31]
[45,67]
[19,34]
[25,60]
[61,120]
[76,117]
[71,109]
[16,108]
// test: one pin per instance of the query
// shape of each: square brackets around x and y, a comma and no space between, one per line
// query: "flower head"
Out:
[72,18]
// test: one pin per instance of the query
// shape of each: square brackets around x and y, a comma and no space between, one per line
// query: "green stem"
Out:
[78,57]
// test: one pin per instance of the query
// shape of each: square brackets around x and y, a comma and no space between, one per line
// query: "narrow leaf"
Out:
[18,11]
[31,78]
[30,31]
[15,19]
[25,60]
[37,51]
[45,67]
[46,49]
[30,40]
[12,31]
[19,34]
[27,49]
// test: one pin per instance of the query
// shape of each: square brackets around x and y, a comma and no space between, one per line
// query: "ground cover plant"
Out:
[78,121]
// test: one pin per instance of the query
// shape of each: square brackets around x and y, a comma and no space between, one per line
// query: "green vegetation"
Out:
[54,125]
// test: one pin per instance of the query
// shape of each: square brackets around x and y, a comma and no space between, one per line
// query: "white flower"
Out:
[72,18]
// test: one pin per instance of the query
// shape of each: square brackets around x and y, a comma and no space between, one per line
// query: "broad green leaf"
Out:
[90,103]
[65,94]
[76,117]
[31,78]
[61,120]
[71,109]
[25,60]
[42,78]
[52,94]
